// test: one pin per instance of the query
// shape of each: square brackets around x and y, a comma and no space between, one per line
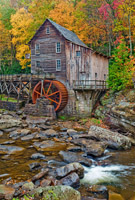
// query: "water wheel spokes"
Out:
[54,91]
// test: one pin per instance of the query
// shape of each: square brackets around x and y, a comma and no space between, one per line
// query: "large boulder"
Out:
[114,140]
[60,192]
[118,110]
[69,168]
[8,121]
[92,147]
[71,157]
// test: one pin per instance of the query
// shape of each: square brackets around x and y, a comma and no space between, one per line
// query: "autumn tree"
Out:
[22,32]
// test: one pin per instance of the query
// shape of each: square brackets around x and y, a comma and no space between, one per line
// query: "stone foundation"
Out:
[41,108]
[81,103]
[12,106]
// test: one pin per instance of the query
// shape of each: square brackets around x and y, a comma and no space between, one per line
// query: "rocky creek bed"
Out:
[46,160]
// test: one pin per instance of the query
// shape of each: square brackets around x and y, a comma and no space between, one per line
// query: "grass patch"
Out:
[10,99]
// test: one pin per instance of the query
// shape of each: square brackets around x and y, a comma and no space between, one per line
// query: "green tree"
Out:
[121,68]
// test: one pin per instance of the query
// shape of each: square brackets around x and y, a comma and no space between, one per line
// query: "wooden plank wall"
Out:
[48,55]
[78,67]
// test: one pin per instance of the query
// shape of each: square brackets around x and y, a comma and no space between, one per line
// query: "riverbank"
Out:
[34,151]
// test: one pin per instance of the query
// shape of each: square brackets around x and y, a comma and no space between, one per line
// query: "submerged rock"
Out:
[113,139]
[10,149]
[114,196]
[37,156]
[72,167]
[60,192]
[71,157]
[34,165]
[49,145]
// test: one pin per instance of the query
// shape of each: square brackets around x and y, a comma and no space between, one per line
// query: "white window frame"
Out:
[37,61]
[37,52]
[58,65]
[78,53]
[58,48]
[47,30]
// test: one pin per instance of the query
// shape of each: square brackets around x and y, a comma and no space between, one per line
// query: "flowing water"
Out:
[119,174]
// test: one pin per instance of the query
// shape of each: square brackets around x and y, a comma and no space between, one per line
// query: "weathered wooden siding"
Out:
[78,67]
[99,66]
[48,55]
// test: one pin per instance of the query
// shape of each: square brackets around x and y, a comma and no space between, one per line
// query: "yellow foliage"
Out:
[22,33]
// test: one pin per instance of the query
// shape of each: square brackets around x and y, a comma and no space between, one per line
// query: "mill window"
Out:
[48,30]
[78,53]
[58,47]
[58,65]
[38,64]
[104,76]
[95,75]
[37,48]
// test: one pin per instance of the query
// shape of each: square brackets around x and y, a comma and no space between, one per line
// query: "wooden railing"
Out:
[17,77]
[89,85]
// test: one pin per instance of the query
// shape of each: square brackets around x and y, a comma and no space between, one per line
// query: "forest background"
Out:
[106,26]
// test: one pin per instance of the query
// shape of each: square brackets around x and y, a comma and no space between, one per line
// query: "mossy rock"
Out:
[60,192]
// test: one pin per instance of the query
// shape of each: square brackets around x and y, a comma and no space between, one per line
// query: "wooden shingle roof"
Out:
[68,35]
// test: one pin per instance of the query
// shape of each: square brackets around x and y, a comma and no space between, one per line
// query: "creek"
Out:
[117,172]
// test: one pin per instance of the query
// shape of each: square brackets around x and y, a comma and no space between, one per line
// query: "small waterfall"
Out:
[103,174]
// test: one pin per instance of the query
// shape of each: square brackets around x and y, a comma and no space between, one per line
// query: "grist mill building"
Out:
[77,68]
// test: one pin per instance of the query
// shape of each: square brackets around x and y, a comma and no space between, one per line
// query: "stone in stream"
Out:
[96,148]
[91,147]
[1,133]
[37,156]
[71,132]
[50,133]
[40,175]
[10,149]
[49,145]
[71,180]
[69,168]
[98,191]
[44,127]
[60,192]
[71,157]
[75,149]
[113,139]
[28,137]
[19,133]
[6,192]
[45,182]
[34,166]
[8,142]
[28,186]
[8,121]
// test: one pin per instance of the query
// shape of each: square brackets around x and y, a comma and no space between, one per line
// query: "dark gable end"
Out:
[68,35]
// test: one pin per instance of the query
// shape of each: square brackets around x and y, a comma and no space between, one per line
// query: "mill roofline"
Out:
[67,34]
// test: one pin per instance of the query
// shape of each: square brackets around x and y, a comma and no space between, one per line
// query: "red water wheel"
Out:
[54,91]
